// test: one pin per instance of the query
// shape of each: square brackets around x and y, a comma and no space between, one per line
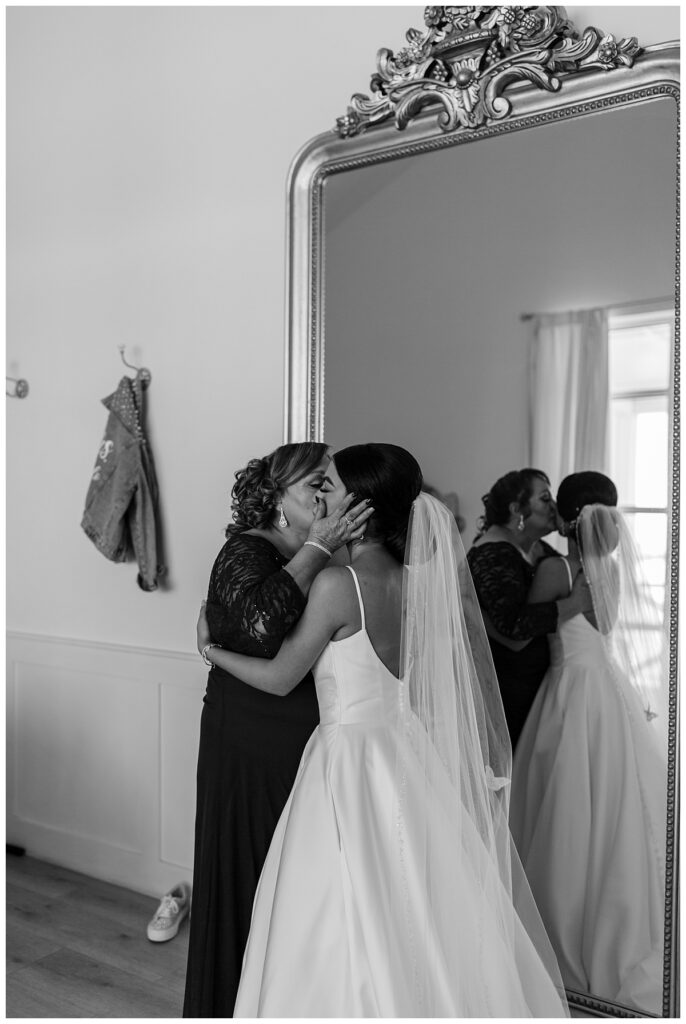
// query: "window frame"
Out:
[648,314]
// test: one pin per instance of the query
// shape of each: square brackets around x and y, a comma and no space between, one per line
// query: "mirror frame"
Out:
[369,134]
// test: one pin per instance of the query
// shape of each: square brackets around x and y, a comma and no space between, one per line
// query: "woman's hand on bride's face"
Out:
[342,525]
[202,630]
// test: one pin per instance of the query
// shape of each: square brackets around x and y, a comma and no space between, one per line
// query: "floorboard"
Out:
[77,947]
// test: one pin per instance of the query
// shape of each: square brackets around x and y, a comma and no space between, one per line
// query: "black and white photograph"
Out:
[342,511]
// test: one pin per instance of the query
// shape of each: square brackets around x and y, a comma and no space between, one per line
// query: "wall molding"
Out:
[72,642]
[102,745]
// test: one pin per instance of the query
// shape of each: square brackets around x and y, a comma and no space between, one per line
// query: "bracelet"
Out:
[316,544]
[203,654]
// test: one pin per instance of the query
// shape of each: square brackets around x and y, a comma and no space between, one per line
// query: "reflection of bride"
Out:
[589,777]
[387,890]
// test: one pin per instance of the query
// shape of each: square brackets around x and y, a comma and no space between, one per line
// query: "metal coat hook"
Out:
[21,387]
[142,372]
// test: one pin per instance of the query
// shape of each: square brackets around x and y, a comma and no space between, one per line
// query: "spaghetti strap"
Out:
[569,573]
[359,593]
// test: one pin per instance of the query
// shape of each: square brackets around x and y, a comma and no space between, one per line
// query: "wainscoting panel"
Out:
[102,742]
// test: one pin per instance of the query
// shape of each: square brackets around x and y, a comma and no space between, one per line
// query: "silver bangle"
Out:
[203,654]
[316,544]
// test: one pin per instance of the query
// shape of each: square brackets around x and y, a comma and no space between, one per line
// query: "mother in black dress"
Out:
[251,742]
[518,512]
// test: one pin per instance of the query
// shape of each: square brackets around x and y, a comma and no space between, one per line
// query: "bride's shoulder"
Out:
[333,597]
[552,572]
[333,581]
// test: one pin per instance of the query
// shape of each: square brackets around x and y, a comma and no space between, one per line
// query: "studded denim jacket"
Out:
[120,516]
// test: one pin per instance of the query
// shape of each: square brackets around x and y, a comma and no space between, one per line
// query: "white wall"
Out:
[147,151]
[147,155]
[431,261]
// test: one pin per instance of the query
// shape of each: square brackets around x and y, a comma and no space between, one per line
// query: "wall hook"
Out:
[21,387]
[142,372]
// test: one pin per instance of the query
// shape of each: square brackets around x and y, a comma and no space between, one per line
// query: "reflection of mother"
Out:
[519,512]
[250,741]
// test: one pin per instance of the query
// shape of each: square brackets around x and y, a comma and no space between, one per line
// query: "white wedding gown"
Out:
[587,814]
[329,934]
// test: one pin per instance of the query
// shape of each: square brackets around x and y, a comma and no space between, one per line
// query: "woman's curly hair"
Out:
[516,487]
[261,483]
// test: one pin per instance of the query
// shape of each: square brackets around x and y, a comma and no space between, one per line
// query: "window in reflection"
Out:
[640,357]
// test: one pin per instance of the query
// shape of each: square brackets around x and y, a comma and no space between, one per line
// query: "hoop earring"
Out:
[283,522]
[520,524]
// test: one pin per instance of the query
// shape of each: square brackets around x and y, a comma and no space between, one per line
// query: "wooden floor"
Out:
[77,947]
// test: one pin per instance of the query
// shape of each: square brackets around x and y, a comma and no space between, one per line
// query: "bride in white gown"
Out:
[589,779]
[387,890]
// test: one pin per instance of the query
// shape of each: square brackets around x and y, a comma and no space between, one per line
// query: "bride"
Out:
[387,890]
[589,780]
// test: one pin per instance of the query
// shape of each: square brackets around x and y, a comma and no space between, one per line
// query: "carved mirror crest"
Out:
[467,59]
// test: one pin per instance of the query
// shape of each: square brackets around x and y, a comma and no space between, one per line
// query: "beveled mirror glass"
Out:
[433,270]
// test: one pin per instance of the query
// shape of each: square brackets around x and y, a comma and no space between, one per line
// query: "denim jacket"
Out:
[121,505]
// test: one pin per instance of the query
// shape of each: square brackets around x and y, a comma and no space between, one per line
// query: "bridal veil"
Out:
[455,739]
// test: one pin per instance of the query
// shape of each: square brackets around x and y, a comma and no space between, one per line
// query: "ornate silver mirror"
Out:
[509,184]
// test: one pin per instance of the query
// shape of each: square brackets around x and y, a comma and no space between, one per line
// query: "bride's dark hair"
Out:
[391,478]
[586,488]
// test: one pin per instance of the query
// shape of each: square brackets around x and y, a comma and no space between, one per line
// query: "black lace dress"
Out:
[502,579]
[250,747]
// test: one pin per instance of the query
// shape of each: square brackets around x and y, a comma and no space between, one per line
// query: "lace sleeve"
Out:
[252,600]
[502,579]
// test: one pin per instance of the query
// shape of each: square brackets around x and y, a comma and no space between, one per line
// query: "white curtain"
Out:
[569,393]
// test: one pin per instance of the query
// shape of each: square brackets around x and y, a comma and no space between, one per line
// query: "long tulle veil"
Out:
[627,616]
[453,726]
[632,628]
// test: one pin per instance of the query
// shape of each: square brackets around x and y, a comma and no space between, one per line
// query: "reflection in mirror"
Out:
[640,361]
[509,303]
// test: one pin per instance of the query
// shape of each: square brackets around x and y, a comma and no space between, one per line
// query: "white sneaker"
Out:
[170,913]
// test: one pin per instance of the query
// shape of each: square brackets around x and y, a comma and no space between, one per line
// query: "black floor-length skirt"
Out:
[250,749]
[520,673]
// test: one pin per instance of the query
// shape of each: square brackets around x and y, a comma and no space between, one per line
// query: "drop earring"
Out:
[520,524]
[283,522]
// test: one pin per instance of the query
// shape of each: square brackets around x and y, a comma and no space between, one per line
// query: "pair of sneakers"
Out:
[173,907]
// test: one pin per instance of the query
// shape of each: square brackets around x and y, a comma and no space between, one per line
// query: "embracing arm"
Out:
[253,598]
[502,586]
[551,583]
[299,651]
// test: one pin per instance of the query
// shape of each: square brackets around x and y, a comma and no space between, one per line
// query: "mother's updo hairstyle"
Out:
[259,486]
[586,488]
[391,478]
[515,488]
